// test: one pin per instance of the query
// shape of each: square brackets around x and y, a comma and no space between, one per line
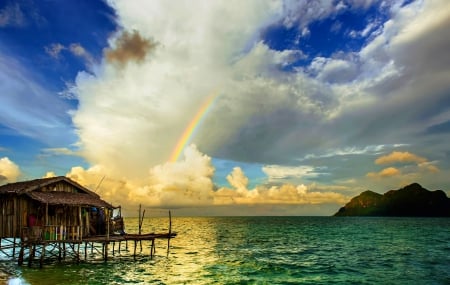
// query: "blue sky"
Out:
[316,101]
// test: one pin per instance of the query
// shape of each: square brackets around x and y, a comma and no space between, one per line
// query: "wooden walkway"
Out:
[41,250]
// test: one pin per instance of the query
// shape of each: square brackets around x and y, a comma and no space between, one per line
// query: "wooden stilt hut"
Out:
[54,208]
[55,216]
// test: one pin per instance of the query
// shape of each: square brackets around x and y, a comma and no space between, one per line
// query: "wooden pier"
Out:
[93,248]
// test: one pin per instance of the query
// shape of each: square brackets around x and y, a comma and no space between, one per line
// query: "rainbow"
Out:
[192,127]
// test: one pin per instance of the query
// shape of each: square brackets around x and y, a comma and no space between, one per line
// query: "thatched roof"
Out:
[64,198]
[32,185]
[84,197]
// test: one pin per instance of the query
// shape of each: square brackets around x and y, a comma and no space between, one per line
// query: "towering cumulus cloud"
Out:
[138,102]
[274,105]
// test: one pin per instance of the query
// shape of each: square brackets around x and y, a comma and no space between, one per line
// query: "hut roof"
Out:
[31,188]
[32,185]
[72,199]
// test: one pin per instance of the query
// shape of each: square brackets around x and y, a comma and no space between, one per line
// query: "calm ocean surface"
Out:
[269,250]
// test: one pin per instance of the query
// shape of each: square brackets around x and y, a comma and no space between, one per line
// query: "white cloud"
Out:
[135,110]
[304,12]
[334,70]
[59,151]
[279,172]
[369,150]
[78,50]
[54,50]
[12,15]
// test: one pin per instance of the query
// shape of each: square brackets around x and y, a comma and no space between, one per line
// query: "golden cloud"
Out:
[188,183]
[387,172]
[9,171]
[428,166]
[398,156]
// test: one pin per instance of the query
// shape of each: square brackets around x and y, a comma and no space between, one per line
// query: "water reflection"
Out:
[278,250]
[191,252]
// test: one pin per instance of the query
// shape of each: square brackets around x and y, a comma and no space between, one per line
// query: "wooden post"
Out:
[46,214]
[152,248]
[59,251]
[106,251]
[107,223]
[88,222]
[80,222]
[21,254]
[42,256]
[14,247]
[31,255]
[14,219]
[78,253]
[140,227]
[139,221]
[170,232]
[85,250]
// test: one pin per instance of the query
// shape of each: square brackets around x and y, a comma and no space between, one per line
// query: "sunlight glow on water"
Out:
[271,250]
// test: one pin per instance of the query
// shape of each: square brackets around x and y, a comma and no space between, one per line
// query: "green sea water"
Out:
[267,250]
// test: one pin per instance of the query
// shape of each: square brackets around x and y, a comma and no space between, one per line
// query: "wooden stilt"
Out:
[41,261]
[152,248]
[106,251]
[141,220]
[31,255]
[21,253]
[55,244]
[78,253]
[14,247]
[59,252]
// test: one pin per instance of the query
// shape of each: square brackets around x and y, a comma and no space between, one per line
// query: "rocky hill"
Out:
[410,201]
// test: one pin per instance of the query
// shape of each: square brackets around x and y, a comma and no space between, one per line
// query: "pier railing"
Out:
[51,233]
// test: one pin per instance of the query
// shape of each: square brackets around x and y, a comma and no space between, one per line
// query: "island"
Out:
[410,201]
